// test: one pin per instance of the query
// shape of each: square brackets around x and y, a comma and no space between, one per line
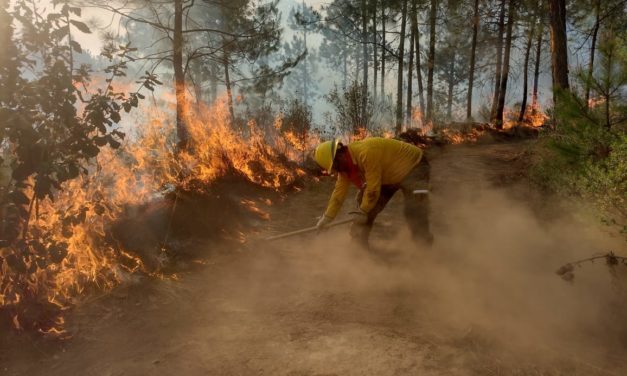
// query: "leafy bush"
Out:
[586,154]
[53,126]
[351,116]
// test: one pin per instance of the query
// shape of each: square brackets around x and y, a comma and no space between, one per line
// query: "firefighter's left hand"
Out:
[359,217]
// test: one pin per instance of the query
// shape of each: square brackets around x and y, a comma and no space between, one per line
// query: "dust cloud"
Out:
[489,279]
[483,300]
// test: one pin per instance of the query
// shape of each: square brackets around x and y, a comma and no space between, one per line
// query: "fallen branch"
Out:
[566,270]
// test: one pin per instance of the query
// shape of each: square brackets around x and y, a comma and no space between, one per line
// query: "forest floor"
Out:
[484,300]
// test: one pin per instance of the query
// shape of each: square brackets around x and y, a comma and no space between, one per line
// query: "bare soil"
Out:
[484,300]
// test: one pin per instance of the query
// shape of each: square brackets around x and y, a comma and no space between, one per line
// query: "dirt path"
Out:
[483,301]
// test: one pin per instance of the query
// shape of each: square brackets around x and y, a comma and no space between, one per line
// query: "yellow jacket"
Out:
[381,161]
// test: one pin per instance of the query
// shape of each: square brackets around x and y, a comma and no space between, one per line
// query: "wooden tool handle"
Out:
[308,229]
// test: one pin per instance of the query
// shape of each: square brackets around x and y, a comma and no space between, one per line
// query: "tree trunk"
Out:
[364,43]
[499,56]
[451,88]
[213,91]
[410,74]
[523,106]
[416,33]
[179,75]
[305,95]
[229,92]
[345,70]
[357,65]
[595,31]
[559,50]
[383,45]
[473,50]
[401,58]
[508,46]
[431,61]
[536,71]
[375,61]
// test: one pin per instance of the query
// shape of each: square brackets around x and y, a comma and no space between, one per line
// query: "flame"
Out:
[253,208]
[534,117]
[359,134]
[594,102]
[144,167]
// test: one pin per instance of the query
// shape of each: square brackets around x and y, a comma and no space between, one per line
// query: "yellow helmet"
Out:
[325,154]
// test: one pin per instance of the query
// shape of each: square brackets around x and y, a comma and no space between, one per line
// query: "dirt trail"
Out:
[483,301]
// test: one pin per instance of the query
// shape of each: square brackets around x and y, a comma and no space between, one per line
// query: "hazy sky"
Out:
[110,22]
[103,21]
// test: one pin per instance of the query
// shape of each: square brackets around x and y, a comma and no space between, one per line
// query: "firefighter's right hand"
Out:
[323,222]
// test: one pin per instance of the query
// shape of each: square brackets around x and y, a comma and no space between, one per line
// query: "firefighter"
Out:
[378,167]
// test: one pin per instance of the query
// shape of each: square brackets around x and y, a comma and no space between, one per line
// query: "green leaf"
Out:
[115,116]
[19,198]
[100,141]
[113,143]
[90,151]
[118,134]
[59,33]
[81,26]
[76,47]
[76,11]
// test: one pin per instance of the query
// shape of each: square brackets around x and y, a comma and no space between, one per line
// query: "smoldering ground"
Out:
[484,300]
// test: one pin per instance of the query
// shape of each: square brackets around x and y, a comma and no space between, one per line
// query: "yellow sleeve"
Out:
[338,196]
[372,172]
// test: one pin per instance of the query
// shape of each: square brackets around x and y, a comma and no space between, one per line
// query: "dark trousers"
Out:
[416,206]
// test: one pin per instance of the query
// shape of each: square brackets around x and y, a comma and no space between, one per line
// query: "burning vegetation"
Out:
[69,247]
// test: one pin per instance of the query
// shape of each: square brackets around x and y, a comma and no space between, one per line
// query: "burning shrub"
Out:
[355,111]
[296,125]
[136,188]
[53,128]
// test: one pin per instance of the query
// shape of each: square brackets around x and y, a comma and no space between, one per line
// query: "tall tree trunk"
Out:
[523,106]
[595,31]
[559,50]
[451,87]
[431,62]
[229,91]
[508,46]
[536,70]
[375,68]
[401,58]
[383,46]
[345,70]
[305,96]
[410,75]
[473,51]
[416,33]
[364,44]
[357,65]
[213,89]
[499,57]
[179,75]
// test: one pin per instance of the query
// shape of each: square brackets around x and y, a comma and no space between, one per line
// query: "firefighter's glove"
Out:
[323,222]
[359,217]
